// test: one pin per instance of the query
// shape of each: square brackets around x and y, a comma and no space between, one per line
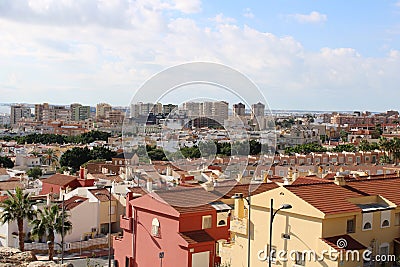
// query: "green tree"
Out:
[6,162]
[49,157]
[49,222]
[343,135]
[35,172]
[75,157]
[345,147]
[17,207]
[100,152]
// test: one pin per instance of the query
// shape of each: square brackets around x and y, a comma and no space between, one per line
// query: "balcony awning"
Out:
[343,242]
[220,206]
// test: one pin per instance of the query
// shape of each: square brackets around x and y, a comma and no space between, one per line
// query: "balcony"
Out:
[239,226]
[126,223]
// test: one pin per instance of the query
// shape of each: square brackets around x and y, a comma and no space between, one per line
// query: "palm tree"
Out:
[17,207]
[49,157]
[49,222]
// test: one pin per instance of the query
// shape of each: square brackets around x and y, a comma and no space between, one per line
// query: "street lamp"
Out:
[248,200]
[109,220]
[272,216]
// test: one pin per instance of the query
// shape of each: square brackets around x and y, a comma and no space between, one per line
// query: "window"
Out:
[300,259]
[384,249]
[351,226]
[155,227]
[112,210]
[367,221]
[385,218]
[385,223]
[367,226]
[206,222]
[397,218]
[222,218]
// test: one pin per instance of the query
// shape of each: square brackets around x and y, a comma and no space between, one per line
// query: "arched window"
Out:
[385,223]
[155,227]
[367,226]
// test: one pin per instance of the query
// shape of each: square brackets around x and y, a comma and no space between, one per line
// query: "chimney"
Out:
[83,173]
[48,200]
[208,186]
[239,206]
[149,184]
[339,179]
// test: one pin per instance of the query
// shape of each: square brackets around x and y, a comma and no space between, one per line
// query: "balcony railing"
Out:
[126,223]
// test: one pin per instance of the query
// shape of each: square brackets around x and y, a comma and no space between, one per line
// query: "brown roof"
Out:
[188,200]
[229,191]
[10,185]
[389,188]
[138,190]
[3,171]
[196,237]
[101,194]
[62,180]
[308,180]
[345,242]
[328,197]
[73,202]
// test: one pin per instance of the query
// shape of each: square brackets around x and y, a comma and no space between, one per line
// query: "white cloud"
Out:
[221,19]
[248,13]
[398,4]
[313,17]
[107,60]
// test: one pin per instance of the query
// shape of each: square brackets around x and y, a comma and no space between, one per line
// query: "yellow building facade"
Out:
[328,225]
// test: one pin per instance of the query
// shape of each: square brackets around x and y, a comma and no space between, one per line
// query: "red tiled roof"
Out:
[229,191]
[61,179]
[138,190]
[345,241]
[196,237]
[101,194]
[389,188]
[308,180]
[188,200]
[328,197]
[73,202]
[10,185]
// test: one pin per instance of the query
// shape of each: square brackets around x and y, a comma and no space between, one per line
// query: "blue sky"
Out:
[311,55]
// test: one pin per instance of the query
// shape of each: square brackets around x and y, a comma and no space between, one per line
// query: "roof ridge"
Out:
[374,179]
[310,184]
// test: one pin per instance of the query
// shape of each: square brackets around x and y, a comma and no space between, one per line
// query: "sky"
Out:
[307,55]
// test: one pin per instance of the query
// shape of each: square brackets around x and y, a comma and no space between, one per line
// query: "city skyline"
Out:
[305,56]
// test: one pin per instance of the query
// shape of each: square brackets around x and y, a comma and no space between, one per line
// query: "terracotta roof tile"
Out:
[101,194]
[352,244]
[188,200]
[328,197]
[3,171]
[73,202]
[61,179]
[229,191]
[10,185]
[196,237]
[389,188]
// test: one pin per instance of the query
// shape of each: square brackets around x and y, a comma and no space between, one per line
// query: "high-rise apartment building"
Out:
[79,112]
[18,112]
[102,109]
[239,109]
[257,110]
